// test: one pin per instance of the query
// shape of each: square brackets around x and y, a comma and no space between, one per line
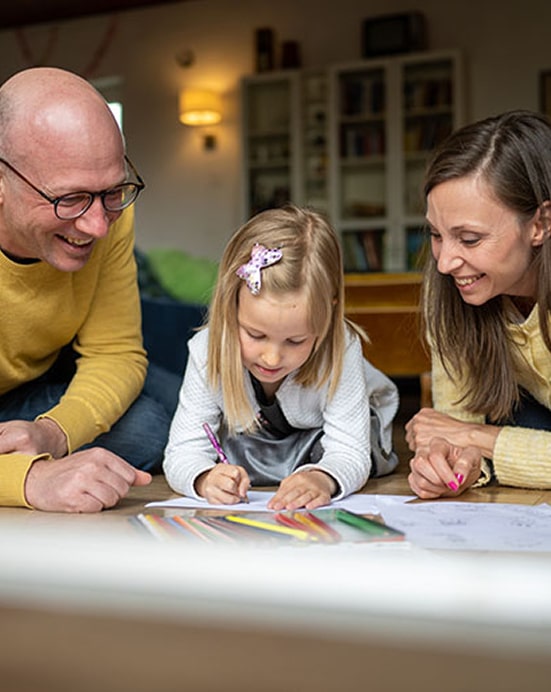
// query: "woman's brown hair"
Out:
[511,153]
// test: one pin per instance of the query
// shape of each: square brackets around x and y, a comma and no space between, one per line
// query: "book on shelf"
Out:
[415,248]
[428,93]
[362,140]
[363,250]
[353,255]
[423,134]
[363,95]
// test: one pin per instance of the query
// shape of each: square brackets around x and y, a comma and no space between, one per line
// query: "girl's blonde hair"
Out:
[311,262]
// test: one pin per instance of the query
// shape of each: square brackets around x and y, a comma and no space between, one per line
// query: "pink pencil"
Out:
[219,451]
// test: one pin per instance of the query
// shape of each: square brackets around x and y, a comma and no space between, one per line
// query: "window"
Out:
[111,90]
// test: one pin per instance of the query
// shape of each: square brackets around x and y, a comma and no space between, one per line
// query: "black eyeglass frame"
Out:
[102,194]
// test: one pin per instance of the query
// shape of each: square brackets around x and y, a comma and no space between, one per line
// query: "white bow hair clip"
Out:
[260,257]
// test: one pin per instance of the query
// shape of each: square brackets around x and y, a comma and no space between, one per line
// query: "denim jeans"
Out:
[139,436]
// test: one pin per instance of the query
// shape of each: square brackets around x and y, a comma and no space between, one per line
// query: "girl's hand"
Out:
[443,470]
[225,484]
[309,489]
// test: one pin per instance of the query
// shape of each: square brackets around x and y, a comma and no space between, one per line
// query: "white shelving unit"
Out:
[386,116]
[272,140]
[285,140]
[352,141]
[314,118]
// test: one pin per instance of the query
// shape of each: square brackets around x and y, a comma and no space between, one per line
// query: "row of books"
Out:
[362,140]
[423,134]
[362,96]
[366,95]
[363,251]
[428,93]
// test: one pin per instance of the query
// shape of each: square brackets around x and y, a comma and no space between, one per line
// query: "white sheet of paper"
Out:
[471,525]
[430,525]
[258,501]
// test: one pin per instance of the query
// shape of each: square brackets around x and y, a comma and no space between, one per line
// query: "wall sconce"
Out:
[198,107]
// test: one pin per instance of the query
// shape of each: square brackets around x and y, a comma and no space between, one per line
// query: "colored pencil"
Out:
[253,532]
[275,528]
[182,531]
[214,442]
[222,458]
[141,526]
[203,523]
[152,527]
[317,526]
[324,526]
[375,529]
[191,528]
[287,520]
[225,529]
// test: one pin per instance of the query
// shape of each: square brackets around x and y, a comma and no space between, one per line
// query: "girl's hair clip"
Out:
[260,257]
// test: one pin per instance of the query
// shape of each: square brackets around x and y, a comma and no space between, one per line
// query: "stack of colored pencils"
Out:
[299,527]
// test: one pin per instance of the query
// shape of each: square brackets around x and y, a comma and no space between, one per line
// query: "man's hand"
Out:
[86,481]
[33,437]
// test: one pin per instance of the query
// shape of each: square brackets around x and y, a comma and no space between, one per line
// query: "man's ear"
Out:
[541,224]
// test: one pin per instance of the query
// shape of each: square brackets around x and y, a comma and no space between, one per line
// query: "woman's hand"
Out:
[442,469]
[429,424]
[309,489]
[225,484]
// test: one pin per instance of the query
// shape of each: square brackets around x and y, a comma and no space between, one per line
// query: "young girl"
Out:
[279,376]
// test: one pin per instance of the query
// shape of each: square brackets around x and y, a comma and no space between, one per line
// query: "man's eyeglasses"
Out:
[75,204]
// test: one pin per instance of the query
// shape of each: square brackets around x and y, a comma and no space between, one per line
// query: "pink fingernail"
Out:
[453,485]
[459,477]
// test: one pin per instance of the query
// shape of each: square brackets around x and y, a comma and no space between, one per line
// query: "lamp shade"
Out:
[199,107]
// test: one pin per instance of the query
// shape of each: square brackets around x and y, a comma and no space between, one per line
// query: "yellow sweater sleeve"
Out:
[13,472]
[97,309]
[522,456]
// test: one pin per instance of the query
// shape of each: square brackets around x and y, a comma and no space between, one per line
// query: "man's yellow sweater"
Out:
[98,310]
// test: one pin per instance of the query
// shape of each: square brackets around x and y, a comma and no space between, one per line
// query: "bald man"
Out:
[76,423]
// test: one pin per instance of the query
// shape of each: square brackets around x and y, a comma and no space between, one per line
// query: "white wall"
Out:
[193,197]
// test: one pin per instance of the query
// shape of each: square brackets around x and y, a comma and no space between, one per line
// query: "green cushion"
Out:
[187,278]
